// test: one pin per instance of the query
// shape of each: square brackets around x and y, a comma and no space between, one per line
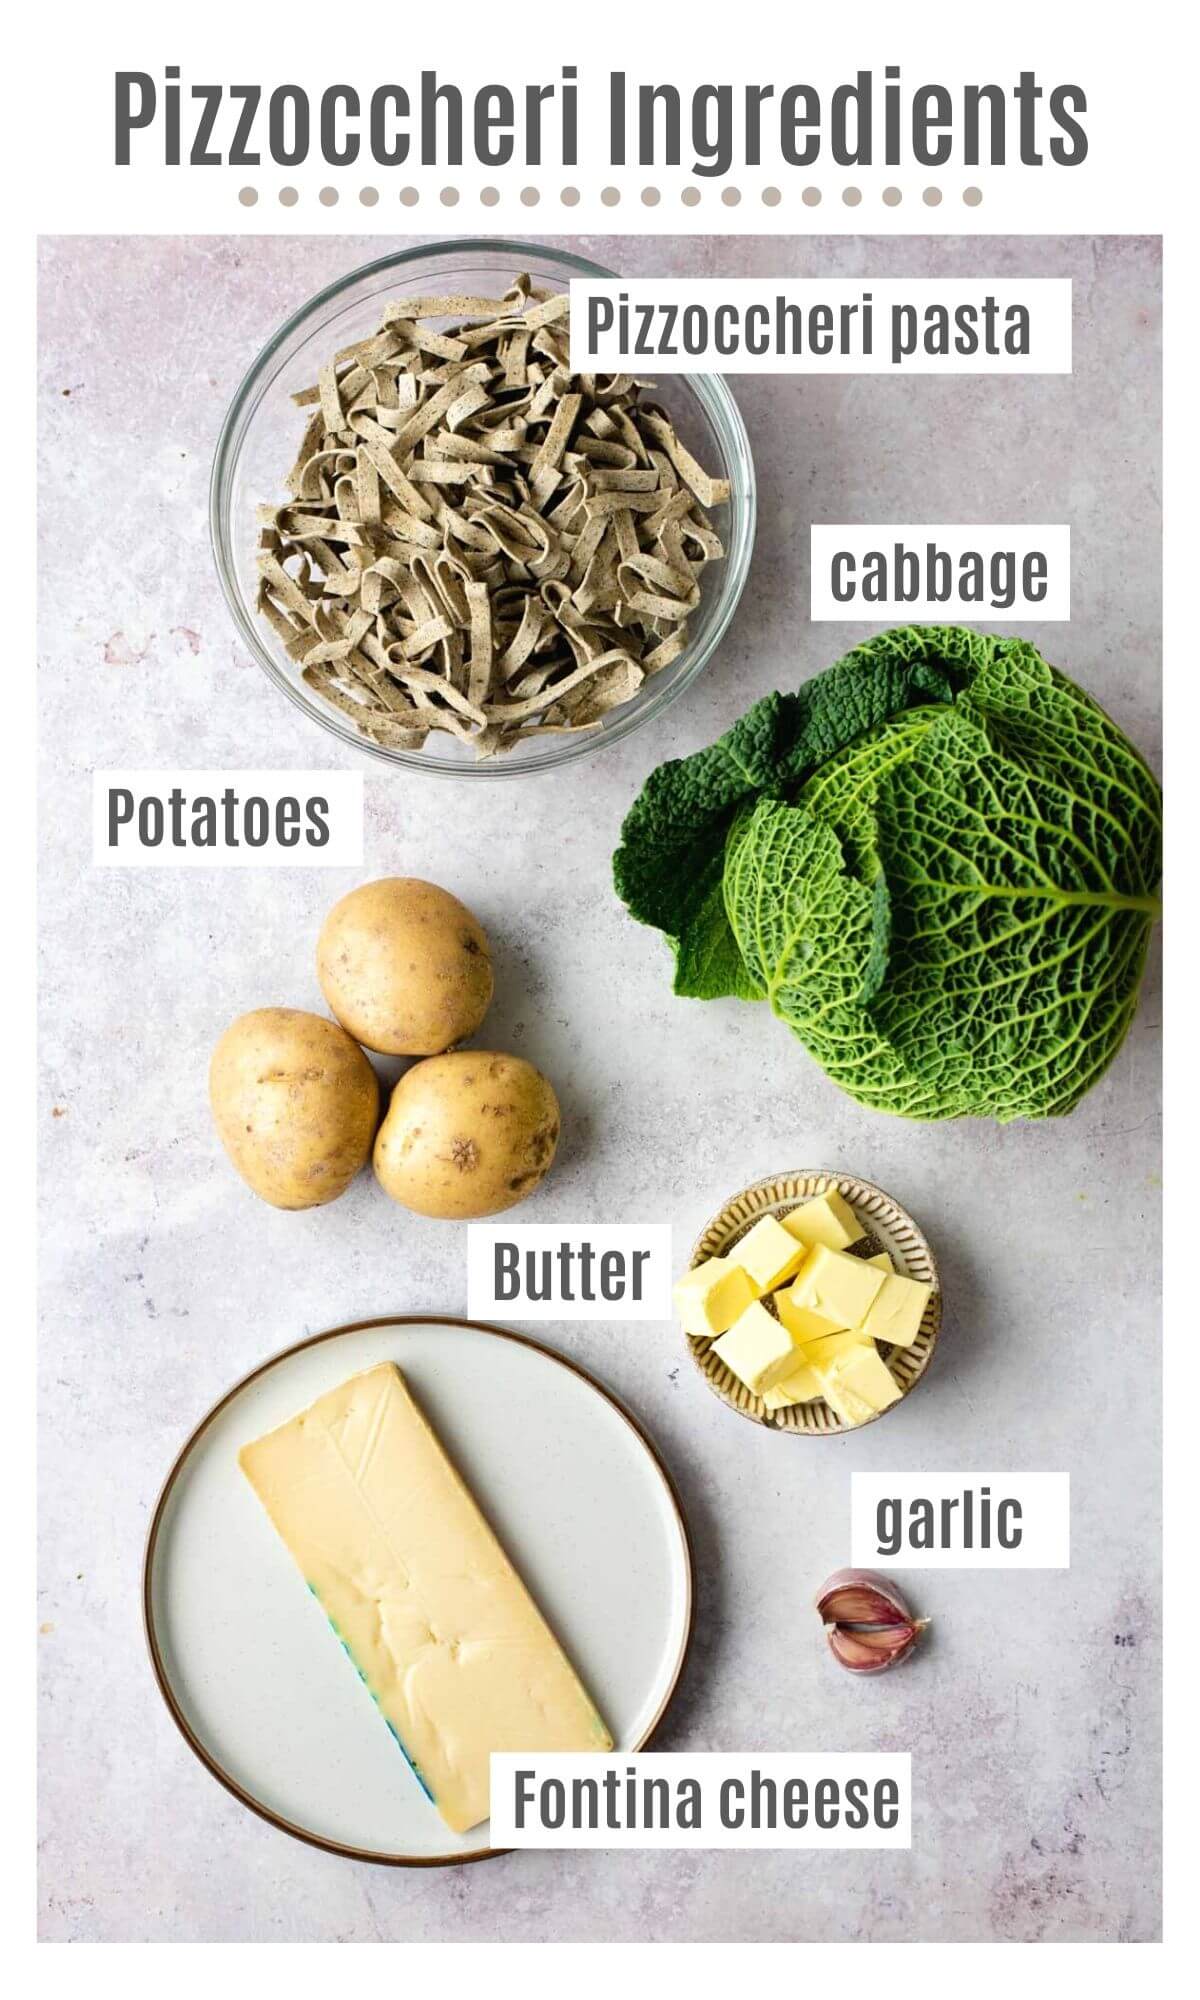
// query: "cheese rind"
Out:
[827,1219]
[450,1644]
[897,1310]
[835,1288]
[757,1349]
[711,1296]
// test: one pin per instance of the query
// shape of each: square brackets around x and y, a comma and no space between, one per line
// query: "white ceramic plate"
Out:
[245,1658]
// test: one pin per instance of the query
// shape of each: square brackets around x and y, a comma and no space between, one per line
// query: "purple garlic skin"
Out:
[873,1652]
[867,1620]
[860,1597]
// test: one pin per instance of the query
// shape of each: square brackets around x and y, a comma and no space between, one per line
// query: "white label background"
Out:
[860,538]
[341,790]
[1048,300]
[1045,1499]
[655,1237]
[711,1769]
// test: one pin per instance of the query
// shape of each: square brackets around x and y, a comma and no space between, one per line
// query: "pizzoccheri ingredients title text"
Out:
[877,118]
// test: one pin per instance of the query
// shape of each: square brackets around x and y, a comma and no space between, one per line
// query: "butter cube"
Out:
[803,1385]
[843,1401]
[864,1376]
[834,1347]
[804,1326]
[709,1298]
[881,1262]
[758,1349]
[835,1288]
[897,1310]
[829,1219]
[768,1254]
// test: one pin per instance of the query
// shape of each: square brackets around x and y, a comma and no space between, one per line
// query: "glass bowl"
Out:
[262,429]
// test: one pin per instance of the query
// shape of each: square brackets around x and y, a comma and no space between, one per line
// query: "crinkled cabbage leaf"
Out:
[940,868]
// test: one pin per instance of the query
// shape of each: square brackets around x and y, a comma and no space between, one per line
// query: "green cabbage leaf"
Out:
[670,864]
[941,872]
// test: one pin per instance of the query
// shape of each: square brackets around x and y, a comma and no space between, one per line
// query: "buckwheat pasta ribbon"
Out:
[477,541]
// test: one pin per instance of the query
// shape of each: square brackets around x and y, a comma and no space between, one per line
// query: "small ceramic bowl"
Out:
[889,1227]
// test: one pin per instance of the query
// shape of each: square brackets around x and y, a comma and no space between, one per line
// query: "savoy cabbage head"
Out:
[938,861]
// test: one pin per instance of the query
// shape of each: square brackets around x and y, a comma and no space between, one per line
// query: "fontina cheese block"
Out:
[447,1639]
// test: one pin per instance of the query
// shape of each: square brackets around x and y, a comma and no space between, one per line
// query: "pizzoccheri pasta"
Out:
[476,540]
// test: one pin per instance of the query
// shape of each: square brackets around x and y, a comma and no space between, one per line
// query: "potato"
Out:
[296,1104]
[405,967]
[467,1134]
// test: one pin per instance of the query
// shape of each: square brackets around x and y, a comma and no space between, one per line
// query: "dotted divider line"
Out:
[691,196]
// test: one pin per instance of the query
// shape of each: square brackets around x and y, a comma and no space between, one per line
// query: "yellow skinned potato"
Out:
[296,1104]
[405,967]
[467,1134]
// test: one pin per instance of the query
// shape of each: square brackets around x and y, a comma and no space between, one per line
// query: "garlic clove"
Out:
[860,1597]
[873,1652]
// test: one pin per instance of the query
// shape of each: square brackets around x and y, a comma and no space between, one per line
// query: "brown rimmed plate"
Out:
[889,1227]
[245,1659]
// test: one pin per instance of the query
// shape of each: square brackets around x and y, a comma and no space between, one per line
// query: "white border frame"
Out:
[1141,79]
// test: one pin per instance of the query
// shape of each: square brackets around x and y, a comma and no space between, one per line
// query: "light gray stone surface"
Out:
[1033,1715]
